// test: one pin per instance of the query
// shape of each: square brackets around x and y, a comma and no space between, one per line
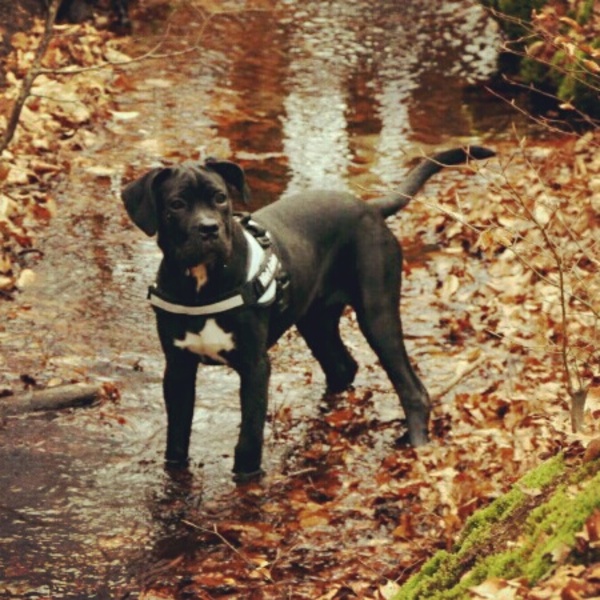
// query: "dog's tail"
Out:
[388,205]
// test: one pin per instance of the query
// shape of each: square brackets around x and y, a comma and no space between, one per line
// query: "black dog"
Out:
[227,289]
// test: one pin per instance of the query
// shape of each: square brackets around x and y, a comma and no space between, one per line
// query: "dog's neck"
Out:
[204,283]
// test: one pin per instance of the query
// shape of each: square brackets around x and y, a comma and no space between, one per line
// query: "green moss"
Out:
[438,568]
[565,76]
[515,9]
[535,536]
[585,12]
[553,526]
[501,508]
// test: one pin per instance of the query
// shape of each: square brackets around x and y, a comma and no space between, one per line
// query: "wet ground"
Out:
[328,94]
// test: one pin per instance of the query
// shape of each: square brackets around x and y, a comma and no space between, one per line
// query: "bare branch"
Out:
[32,74]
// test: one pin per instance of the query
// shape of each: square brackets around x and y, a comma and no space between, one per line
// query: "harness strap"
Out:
[193,311]
[259,289]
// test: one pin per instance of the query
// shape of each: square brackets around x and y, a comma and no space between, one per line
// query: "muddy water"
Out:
[333,93]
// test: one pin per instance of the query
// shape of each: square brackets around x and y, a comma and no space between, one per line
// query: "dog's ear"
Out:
[233,175]
[140,202]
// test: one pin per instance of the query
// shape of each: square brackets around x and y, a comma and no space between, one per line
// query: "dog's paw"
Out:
[177,464]
[242,478]
[341,378]
[413,437]
[418,436]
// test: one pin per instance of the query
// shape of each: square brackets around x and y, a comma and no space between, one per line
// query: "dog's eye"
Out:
[220,198]
[176,204]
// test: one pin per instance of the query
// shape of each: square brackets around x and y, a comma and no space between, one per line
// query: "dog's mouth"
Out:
[199,250]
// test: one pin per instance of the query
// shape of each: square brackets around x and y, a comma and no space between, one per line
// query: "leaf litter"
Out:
[56,123]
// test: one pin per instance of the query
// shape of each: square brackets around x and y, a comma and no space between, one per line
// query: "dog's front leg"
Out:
[179,385]
[254,385]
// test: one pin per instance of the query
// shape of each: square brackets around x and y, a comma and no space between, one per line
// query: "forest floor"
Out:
[354,512]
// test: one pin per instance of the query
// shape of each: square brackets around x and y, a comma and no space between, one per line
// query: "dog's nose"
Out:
[208,228]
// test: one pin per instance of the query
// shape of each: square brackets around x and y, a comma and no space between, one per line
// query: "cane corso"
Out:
[229,287]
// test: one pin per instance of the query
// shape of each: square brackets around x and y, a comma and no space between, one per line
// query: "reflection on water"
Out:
[307,94]
[320,157]
[411,61]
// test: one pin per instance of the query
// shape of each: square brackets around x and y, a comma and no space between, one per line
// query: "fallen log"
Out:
[544,527]
[53,398]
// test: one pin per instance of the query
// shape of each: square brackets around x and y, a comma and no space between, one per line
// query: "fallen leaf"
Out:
[494,589]
[26,278]
[389,590]
[125,115]
[592,452]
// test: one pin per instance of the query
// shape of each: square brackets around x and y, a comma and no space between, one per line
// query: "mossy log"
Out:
[519,535]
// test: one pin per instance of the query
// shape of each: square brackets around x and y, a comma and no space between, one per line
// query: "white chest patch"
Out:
[209,342]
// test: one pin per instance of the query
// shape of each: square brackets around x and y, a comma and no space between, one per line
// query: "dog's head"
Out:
[190,208]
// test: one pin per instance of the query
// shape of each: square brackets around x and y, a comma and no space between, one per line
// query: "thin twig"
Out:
[215,531]
[460,376]
[514,248]
[558,260]
[34,71]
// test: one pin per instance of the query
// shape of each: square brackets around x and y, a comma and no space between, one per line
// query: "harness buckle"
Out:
[282,298]
[260,234]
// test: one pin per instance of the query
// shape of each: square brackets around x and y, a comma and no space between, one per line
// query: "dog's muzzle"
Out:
[263,273]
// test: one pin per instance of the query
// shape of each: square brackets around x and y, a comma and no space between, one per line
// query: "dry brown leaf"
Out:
[495,589]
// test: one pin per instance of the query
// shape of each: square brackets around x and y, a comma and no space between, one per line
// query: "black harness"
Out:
[268,285]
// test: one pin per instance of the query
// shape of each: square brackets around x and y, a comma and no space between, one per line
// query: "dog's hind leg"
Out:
[320,329]
[379,264]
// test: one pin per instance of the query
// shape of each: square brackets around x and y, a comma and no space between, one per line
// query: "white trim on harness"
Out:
[257,255]
[197,311]
[256,258]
